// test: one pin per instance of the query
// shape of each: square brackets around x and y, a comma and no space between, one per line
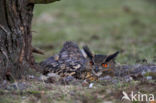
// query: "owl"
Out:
[99,65]
[81,64]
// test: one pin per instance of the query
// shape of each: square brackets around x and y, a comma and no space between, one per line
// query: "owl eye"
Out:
[91,63]
[104,65]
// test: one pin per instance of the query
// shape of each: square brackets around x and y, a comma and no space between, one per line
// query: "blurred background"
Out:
[104,25]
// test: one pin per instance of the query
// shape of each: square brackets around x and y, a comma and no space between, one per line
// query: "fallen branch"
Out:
[35,50]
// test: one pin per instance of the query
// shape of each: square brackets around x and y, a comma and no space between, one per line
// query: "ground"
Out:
[106,26]
[101,92]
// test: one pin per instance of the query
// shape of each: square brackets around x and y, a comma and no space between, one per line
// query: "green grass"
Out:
[105,25]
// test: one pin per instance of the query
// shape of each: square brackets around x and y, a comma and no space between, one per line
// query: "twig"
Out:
[41,1]
[35,50]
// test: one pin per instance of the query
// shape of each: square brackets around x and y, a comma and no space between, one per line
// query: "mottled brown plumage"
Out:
[71,62]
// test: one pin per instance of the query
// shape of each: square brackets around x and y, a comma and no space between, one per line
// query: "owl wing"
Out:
[72,56]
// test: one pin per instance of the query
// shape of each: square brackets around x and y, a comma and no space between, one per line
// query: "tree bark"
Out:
[15,37]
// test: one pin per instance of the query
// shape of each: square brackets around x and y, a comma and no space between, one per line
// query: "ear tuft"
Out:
[88,52]
[112,56]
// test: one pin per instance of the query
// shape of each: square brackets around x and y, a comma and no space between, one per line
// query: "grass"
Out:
[105,25]
[52,93]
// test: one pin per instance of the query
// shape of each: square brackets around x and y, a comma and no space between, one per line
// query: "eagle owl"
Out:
[100,65]
[71,61]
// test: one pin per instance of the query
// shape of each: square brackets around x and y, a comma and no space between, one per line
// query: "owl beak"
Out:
[96,69]
[98,74]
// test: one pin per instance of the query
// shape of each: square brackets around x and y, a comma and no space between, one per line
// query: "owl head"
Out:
[100,63]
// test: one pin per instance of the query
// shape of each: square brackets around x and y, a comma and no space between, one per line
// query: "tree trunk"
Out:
[15,37]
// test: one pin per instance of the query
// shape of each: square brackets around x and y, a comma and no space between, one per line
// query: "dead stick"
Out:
[35,50]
